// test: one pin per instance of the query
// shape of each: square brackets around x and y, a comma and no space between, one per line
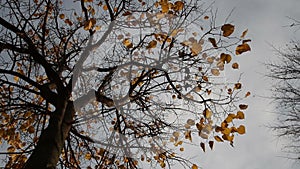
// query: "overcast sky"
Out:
[266,21]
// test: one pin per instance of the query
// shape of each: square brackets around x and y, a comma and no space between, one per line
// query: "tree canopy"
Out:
[116,83]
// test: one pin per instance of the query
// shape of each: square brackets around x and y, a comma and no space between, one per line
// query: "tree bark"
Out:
[49,147]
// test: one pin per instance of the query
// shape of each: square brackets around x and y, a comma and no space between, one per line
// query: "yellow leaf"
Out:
[241,129]
[151,44]
[88,156]
[226,131]
[235,65]
[218,139]
[244,33]
[194,166]
[16,78]
[127,43]
[240,115]
[97,28]
[242,48]
[227,29]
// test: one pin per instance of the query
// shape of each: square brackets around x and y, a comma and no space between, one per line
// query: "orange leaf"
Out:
[194,166]
[241,129]
[127,43]
[242,48]
[240,115]
[227,29]
[178,5]
[62,16]
[105,7]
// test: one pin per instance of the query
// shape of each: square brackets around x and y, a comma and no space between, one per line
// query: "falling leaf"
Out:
[211,144]
[206,17]
[243,106]
[227,29]
[194,166]
[241,129]
[218,139]
[213,42]
[235,65]
[244,33]
[151,44]
[242,48]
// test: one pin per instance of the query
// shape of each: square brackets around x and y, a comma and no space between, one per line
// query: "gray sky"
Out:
[266,21]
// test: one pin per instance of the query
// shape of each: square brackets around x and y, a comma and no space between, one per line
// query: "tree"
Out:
[121,84]
[286,93]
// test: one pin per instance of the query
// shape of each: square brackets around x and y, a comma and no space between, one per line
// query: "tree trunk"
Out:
[49,147]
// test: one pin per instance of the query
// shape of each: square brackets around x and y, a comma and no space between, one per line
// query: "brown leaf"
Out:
[213,42]
[244,33]
[211,144]
[227,29]
[235,65]
[225,58]
[242,48]
[202,145]
[243,106]
[241,129]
